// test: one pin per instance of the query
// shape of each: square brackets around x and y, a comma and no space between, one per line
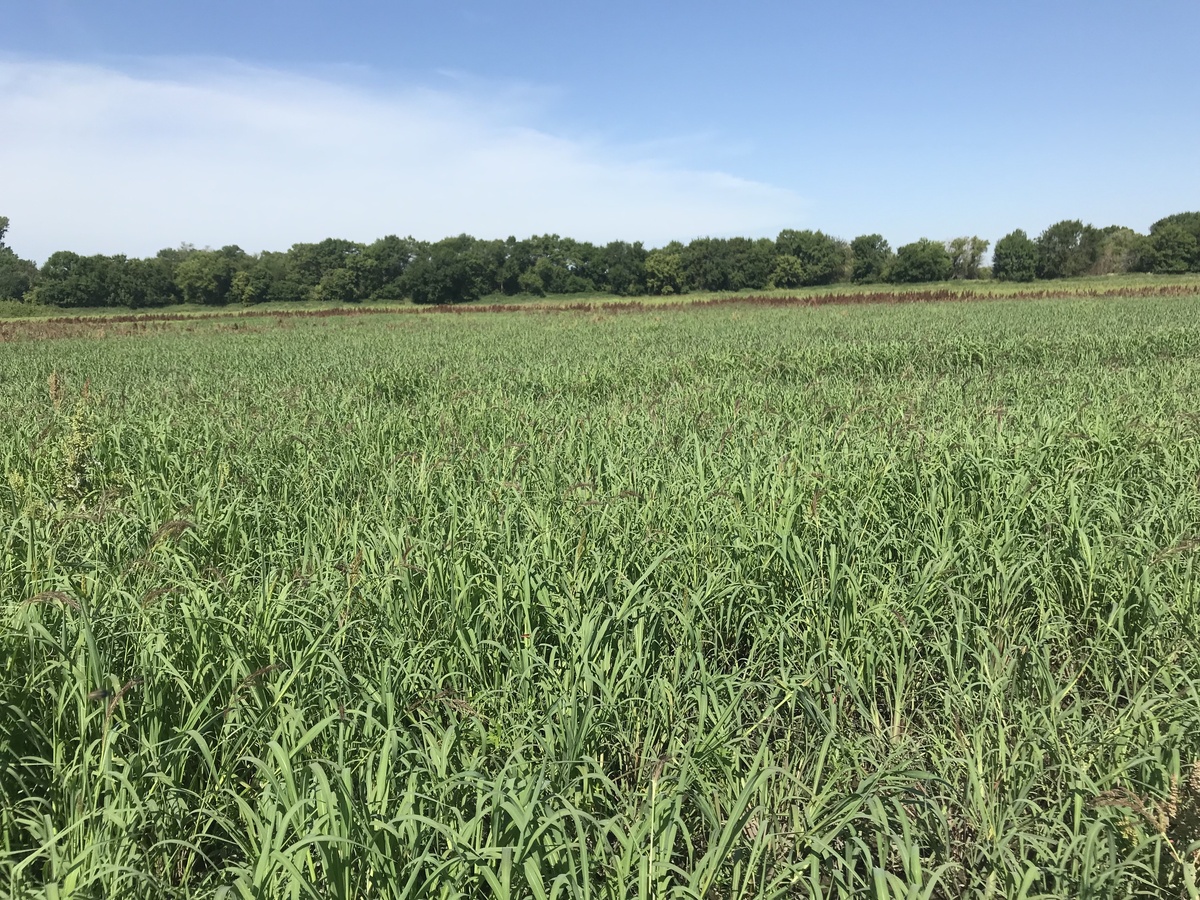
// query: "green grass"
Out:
[15,309]
[889,601]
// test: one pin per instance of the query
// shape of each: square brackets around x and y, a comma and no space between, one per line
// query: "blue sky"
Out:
[129,126]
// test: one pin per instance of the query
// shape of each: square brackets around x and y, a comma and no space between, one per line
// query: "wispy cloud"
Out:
[105,160]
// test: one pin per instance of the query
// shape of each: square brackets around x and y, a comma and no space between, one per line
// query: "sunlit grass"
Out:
[731,602]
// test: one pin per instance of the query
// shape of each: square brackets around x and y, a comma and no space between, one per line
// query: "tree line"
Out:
[465,268]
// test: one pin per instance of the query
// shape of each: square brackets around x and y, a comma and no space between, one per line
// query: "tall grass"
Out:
[734,602]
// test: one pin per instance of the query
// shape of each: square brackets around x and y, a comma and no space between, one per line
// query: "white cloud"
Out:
[99,160]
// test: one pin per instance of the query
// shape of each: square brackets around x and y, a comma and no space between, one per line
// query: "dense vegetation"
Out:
[464,268]
[895,601]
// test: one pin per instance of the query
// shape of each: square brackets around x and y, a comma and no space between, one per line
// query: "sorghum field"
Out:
[893,601]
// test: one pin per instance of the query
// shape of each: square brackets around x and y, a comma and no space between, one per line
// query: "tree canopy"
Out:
[1067,249]
[966,256]
[464,268]
[922,260]
[1015,258]
[822,258]
[17,275]
[871,257]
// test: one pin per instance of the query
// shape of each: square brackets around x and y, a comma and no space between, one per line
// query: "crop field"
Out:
[738,600]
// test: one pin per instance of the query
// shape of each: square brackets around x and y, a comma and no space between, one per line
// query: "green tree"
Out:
[707,265]
[446,272]
[567,266]
[1173,249]
[516,258]
[59,279]
[267,278]
[966,256]
[922,260]
[727,264]
[67,279]
[480,261]
[206,276]
[138,283]
[664,270]
[554,275]
[351,283]
[309,263]
[390,256]
[530,282]
[823,258]
[17,275]
[252,285]
[1190,223]
[1067,249]
[788,272]
[1015,258]
[752,263]
[622,268]
[871,256]
[1122,250]
[546,263]
[170,257]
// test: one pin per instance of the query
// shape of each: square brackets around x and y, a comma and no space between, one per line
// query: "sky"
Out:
[128,126]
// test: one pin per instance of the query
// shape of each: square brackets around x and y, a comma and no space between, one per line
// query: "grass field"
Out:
[890,601]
